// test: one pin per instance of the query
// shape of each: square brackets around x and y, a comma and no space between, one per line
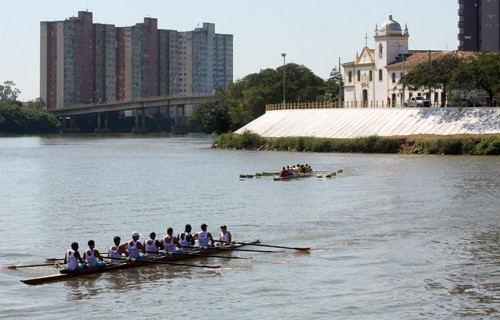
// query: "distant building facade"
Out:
[479,25]
[86,62]
[372,79]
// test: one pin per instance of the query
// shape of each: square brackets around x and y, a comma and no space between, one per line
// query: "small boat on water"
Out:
[171,260]
[293,176]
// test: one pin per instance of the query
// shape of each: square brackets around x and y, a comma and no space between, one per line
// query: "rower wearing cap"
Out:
[73,259]
[152,245]
[185,238]
[91,255]
[115,252]
[170,242]
[134,247]
[224,235]
[203,237]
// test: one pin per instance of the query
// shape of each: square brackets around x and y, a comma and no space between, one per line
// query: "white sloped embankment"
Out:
[353,123]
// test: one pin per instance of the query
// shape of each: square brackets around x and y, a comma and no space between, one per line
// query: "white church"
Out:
[372,80]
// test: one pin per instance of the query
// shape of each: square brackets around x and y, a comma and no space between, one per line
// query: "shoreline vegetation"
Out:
[426,144]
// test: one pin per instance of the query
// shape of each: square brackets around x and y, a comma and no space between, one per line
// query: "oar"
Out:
[170,263]
[230,249]
[30,265]
[201,255]
[268,245]
[54,259]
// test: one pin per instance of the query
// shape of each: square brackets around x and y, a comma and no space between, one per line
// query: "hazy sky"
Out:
[314,33]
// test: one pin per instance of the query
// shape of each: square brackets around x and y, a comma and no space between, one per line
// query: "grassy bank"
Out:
[372,144]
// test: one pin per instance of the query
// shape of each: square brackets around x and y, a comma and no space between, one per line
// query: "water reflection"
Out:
[133,279]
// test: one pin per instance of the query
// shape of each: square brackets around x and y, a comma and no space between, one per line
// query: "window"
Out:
[350,76]
[370,76]
[380,51]
[394,77]
[359,75]
[380,75]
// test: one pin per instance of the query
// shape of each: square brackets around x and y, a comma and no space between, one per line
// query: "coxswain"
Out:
[91,255]
[186,239]
[224,236]
[134,247]
[72,259]
[152,245]
[203,237]
[170,242]
[115,252]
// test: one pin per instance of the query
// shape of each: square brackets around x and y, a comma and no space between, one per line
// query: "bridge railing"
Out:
[336,104]
[304,105]
[141,99]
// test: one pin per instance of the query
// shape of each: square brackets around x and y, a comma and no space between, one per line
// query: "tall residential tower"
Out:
[479,25]
[86,62]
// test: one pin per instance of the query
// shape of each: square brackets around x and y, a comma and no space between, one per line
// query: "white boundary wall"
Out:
[352,123]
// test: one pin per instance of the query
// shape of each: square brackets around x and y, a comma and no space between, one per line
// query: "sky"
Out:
[313,33]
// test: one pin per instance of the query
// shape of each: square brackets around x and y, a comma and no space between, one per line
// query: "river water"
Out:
[393,236]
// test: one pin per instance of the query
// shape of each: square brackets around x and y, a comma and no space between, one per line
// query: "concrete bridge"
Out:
[138,105]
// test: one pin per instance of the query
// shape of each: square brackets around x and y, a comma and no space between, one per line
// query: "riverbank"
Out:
[488,144]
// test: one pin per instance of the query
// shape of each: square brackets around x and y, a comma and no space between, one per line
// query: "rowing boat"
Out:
[63,275]
[293,176]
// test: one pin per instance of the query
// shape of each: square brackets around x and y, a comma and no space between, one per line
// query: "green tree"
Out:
[38,103]
[8,91]
[481,72]
[435,74]
[302,84]
[17,119]
[332,84]
[248,97]
[212,116]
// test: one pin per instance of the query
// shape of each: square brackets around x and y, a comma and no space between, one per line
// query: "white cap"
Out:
[136,234]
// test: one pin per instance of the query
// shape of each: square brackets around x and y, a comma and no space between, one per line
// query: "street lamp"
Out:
[284,78]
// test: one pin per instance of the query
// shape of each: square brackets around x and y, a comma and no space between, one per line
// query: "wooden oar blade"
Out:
[29,266]
[54,259]
[271,246]
[211,267]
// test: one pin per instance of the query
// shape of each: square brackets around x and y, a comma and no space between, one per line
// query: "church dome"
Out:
[391,27]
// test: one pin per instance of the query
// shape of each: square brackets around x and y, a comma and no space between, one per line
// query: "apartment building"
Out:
[479,25]
[86,62]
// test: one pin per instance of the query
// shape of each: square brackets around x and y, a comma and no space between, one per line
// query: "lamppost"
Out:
[402,74]
[284,78]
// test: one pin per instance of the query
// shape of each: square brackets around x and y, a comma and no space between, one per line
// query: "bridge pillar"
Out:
[99,129]
[143,129]
[65,124]
[179,126]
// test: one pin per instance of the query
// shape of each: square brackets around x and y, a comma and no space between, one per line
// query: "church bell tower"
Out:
[390,42]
